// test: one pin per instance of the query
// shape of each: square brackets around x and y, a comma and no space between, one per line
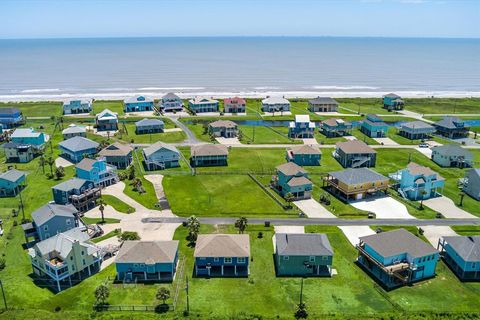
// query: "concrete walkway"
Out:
[433,233]
[173,130]
[353,233]
[313,209]
[62,162]
[384,208]
[447,208]
[289,229]
[427,152]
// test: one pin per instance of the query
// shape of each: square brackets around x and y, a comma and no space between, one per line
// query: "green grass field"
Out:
[117,204]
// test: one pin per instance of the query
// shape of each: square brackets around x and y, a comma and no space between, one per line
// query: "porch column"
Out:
[235,269]
[318,270]
[145,275]
[58,286]
[222,269]
[89,273]
[158,275]
[70,280]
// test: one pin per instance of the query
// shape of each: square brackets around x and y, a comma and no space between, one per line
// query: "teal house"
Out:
[305,254]
[29,136]
[397,258]
[302,127]
[374,127]
[97,171]
[304,155]
[203,104]
[222,255]
[138,104]
[417,182]
[76,148]
[291,178]
[12,182]
[152,261]
[77,106]
[462,254]
[392,101]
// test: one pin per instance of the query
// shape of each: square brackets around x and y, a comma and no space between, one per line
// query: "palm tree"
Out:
[241,224]
[59,173]
[42,162]
[101,206]
[193,228]
[423,193]
[163,294]
[50,161]
[101,294]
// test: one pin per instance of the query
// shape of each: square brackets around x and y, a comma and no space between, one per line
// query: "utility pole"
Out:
[188,301]
[301,292]
[3,294]
[21,205]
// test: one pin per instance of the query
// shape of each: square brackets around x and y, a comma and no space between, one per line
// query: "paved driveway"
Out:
[311,141]
[425,151]
[289,229]
[386,141]
[313,209]
[447,207]
[228,141]
[433,233]
[353,233]
[384,208]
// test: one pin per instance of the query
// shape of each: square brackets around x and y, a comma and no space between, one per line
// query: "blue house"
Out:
[49,220]
[12,182]
[374,126]
[304,155]
[208,155]
[138,104]
[303,254]
[291,178]
[147,261]
[397,257]
[335,128]
[392,101]
[10,118]
[29,136]
[414,130]
[97,171]
[76,106]
[161,156]
[417,182]
[106,120]
[452,127]
[171,103]
[145,126]
[202,104]
[462,254]
[81,193]
[224,255]
[74,149]
[302,127]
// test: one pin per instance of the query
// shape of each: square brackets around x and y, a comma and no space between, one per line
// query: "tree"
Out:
[462,195]
[101,206]
[137,185]
[129,235]
[241,224]
[289,197]
[163,294]
[50,161]
[59,173]
[131,172]
[423,193]
[42,162]
[193,228]
[101,294]
[301,312]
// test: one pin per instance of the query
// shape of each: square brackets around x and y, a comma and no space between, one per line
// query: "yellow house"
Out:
[356,184]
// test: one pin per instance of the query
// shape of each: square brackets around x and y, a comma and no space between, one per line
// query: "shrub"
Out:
[129,235]
[3,263]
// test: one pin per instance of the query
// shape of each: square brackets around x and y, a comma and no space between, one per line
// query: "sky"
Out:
[150,18]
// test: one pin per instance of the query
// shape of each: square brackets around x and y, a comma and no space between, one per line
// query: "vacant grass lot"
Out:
[443,105]
[168,137]
[117,204]
[36,109]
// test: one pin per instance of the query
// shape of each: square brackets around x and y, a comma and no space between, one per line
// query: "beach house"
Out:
[472,183]
[452,156]
[106,120]
[301,128]
[335,128]
[161,156]
[303,254]
[304,155]
[80,193]
[65,259]
[146,126]
[354,154]
[293,179]
[19,152]
[452,127]
[29,136]
[223,128]
[12,182]
[397,258]
[275,104]
[153,261]
[76,106]
[392,101]
[203,104]
[49,220]
[356,184]
[414,130]
[234,105]
[417,182]
[117,154]
[10,118]
[374,127]
[76,148]
[171,103]
[208,155]
[462,255]
[73,131]
[98,171]
[322,104]
[138,104]
[222,255]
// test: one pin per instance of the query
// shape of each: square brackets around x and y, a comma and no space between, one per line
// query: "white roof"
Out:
[200,100]
[107,114]
[25,133]
[73,128]
[138,98]
[82,101]
[275,100]
[302,118]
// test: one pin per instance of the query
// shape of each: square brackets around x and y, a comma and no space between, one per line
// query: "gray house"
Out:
[19,152]
[472,183]
[452,155]
[208,155]
[81,193]
[171,103]
[12,182]
[117,154]
[223,128]
[275,104]
[306,254]
[73,130]
[452,127]
[355,154]
[149,126]
[161,156]
[462,254]
[414,130]
[322,104]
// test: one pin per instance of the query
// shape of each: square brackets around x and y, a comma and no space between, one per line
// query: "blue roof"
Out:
[149,122]
[78,144]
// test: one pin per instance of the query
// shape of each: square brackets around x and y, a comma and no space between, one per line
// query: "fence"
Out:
[120,307]
[268,192]
[180,271]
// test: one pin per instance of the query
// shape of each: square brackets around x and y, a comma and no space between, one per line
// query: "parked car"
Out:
[424,145]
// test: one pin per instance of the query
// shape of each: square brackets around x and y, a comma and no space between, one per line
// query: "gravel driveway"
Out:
[313,209]
[384,208]
[447,208]
[386,141]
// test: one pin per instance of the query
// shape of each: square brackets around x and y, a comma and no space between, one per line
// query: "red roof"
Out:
[234,100]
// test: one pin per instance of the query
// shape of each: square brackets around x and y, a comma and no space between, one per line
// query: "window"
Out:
[216,259]
[227,260]
[241,260]
[473,264]
[142,265]
[83,261]
[324,257]
[311,259]
[68,222]
[135,265]
[83,253]
[71,257]
[286,258]
[45,227]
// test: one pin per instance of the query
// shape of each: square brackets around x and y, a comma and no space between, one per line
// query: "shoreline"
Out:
[298,94]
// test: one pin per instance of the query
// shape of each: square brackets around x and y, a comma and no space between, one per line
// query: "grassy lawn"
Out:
[117,204]
[266,135]
[199,131]
[36,109]
[363,137]
[109,235]
[362,105]
[132,137]
[112,105]
[443,105]
[98,220]
[467,230]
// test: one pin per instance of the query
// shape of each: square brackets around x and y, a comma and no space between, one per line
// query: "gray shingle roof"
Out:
[74,129]
[452,149]
[304,149]
[322,100]
[170,96]
[354,146]
[209,150]
[14,145]
[62,243]
[303,244]
[149,252]
[157,146]
[392,95]
[449,123]
[116,149]
[298,181]
[222,245]
[77,143]
[467,247]
[290,168]
[417,125]
[396,242]
[357,175]
[149,122]
[74,183]
[12,175]
[222,124]
[86,164]
[48,211]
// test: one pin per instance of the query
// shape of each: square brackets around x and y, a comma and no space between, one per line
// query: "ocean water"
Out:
[247,66]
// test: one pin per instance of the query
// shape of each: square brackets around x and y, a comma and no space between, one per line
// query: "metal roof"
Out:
[222,245]
[12,175]
[62,243]
[149,252]
[74,183]
[303,244]
[357,176]
[354,146]
[275,100]
[323,100]
[77,143]
[304,149]
[452,149]
[149,122]
[48,211]
[157,146]
[74,129]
